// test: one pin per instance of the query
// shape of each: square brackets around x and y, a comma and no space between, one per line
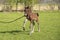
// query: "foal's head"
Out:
[27,10]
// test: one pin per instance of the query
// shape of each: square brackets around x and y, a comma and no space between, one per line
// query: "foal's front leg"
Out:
[24,24]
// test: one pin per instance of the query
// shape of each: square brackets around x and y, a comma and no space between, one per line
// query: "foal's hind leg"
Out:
[24,24]
[31,28]
[38,26]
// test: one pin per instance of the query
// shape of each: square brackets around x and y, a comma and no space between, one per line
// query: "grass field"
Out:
[49,25]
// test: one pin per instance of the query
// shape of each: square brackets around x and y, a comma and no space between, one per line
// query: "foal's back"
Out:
[33,16]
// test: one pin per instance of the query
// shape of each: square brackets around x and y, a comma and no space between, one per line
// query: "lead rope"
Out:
[12,20]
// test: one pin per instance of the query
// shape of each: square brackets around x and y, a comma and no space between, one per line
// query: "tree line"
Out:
[9,3]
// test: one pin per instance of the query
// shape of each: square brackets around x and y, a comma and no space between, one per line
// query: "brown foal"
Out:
[31,17]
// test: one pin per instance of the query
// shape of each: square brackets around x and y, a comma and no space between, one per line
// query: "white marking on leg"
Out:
[38,27]
[31,29]
[24,22]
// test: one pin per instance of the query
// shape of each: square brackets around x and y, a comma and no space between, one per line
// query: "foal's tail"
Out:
[37,14]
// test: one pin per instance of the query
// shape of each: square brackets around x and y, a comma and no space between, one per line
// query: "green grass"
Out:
[49,25]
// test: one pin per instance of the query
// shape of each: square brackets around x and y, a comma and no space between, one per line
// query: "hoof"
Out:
[23,28]
[31,32]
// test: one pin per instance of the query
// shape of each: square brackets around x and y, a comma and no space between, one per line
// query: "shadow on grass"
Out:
[14,32]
